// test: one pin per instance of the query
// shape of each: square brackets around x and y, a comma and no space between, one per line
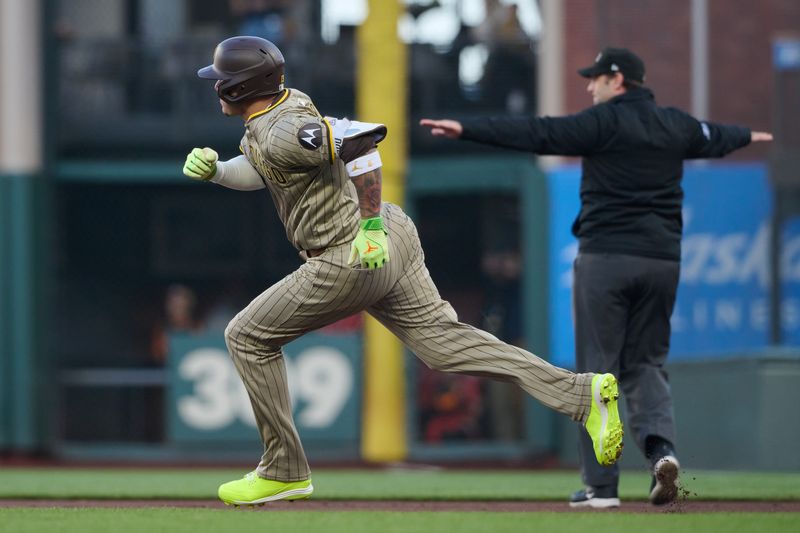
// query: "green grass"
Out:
[200,520]
[169,483]
[334,484]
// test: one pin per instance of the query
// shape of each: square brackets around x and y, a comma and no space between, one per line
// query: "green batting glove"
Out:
[371,246]
[201,164]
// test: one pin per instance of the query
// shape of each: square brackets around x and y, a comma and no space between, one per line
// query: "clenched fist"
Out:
[201,164]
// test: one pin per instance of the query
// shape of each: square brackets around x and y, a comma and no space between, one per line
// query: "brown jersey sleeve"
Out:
[299,141]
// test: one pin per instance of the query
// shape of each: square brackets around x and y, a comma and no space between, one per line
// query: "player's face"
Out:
[603,88]
[228,109]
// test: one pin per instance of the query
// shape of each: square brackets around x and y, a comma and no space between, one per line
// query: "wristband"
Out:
[365,163]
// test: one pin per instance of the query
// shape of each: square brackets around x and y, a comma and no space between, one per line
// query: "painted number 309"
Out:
[320,383]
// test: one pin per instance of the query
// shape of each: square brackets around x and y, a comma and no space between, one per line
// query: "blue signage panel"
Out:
[208,402]
[563,186]
[786,54]
[723,297]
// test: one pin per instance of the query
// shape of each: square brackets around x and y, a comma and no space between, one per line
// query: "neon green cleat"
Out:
[254,490]
[603,424]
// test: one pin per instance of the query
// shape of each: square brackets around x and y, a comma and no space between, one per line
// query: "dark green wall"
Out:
[22,323]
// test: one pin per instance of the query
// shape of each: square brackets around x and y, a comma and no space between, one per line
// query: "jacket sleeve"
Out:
[707,139]
[578,134]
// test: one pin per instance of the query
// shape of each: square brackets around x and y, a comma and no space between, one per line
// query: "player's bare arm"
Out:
[760,136]
[370,248]
[363,164]
[358,150]
[368,187]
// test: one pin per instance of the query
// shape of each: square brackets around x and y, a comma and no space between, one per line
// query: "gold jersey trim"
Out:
[331,147]
[270,108]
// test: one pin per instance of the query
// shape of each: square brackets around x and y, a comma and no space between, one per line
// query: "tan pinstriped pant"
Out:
[403,297]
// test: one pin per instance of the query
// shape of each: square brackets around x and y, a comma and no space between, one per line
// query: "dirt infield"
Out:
[417,506]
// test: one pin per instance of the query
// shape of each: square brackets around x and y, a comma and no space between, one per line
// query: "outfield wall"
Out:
[101,372]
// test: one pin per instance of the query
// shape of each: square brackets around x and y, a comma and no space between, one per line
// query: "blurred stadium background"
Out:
[118,275]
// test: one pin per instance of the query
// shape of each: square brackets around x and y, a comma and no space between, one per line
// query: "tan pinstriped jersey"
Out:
[290,145]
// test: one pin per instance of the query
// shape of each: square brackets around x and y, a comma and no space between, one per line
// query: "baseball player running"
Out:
[359,254]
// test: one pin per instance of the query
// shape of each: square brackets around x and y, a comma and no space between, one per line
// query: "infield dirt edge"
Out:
[421,506]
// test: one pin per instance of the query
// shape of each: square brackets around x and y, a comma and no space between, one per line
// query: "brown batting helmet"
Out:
[246,67]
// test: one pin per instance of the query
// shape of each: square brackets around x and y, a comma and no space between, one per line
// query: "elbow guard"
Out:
[352,139]
[355,148]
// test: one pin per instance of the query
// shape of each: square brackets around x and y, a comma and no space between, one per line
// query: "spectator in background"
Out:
[180,315]
[629,233]
[509,74]
[263,18]
[450,407]
[501,310]
[502,317]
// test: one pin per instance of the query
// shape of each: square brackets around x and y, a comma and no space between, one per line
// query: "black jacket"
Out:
[633,154]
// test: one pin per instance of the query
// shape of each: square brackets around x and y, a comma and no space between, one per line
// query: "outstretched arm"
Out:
[451,129]
[577,134]
[710,139]
[760,136]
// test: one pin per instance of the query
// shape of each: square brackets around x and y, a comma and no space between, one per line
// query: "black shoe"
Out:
[595,497]
[664,487]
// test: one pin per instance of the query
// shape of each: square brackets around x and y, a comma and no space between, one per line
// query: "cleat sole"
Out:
[612,441]
[667,486]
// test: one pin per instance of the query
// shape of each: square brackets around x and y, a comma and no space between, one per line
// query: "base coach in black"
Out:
[629,234]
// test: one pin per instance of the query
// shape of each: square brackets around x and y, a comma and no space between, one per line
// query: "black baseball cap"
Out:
[613,60]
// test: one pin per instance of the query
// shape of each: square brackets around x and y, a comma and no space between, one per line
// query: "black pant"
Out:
[622,306]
